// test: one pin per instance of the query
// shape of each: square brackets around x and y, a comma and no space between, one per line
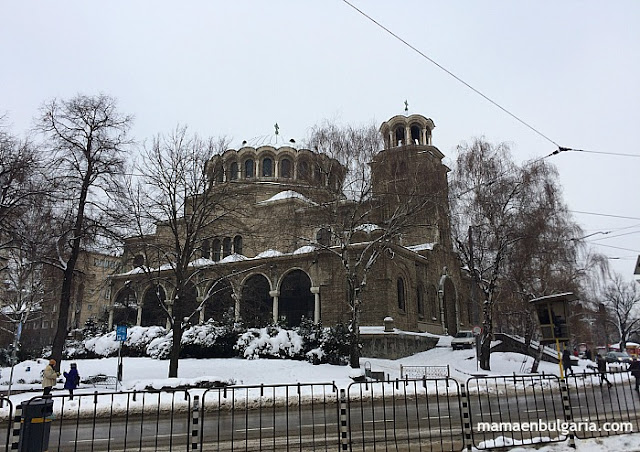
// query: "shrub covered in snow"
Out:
[210,340]
[270,342]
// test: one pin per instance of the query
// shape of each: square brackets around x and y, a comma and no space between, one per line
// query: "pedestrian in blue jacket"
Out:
[72,379]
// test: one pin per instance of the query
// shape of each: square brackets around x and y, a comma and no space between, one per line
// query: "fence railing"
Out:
[423,414]
[431,414]
[271,418]
[417,372]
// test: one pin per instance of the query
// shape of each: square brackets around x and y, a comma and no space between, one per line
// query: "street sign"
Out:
[121,333]
[477,330]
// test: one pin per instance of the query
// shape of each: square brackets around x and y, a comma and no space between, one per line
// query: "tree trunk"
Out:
[536,361]
[174,356]
[354,340]
[487,337]
[67,280]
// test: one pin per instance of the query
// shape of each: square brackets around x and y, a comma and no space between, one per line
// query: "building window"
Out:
[215,251]
[206,249]
[285,168]
[233,171]
[323,236]
[226,247]
[138,260]
[400,135]
[303,170]
[420,297]
[267,167]
[249,171]
[218,174]
[415,134]
[89,307]
[401,299]
[237,244]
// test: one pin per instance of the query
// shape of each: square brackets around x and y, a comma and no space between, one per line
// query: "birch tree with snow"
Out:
[505,221]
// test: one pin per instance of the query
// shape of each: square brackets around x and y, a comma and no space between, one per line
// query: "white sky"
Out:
[570,69]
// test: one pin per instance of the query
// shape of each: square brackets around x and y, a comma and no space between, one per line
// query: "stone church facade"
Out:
[277,262]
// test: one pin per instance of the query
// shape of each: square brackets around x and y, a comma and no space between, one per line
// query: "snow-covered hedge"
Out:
[270,342]
[310,341]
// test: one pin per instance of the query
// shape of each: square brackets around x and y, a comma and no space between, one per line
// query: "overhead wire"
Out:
[480,93]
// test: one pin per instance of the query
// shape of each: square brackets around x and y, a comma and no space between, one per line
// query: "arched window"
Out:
[206,249]
[303,170]
[218,174]
[267,167]
[400,136]
[323,236]
[285,168]
[215,250]
[415,134]
[401,298]
[237,244]
[249,171]
[226,247]
[233,171]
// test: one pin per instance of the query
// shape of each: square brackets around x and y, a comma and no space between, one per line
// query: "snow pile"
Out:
[368,228]
[233,258]
[138,337]
[287,194]
[269,342]
[305,249]
[269,253]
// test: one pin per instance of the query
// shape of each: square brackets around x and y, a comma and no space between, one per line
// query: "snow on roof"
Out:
[233,258]
[269,253]
[305,249]
[367,227]
[421,247]
[287,194]
[201,262]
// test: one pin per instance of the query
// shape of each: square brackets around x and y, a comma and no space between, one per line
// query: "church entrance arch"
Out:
[296,300]
[186,304]
[220,305]
[256,307]
[125,310]
[153,314]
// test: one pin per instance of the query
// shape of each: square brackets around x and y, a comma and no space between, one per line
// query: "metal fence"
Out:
[421,414]
[500,406]
[6,421]
[609,409]
[270,418]
[428,414]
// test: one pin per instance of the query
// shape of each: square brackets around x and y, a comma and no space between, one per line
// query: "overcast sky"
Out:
[569,69]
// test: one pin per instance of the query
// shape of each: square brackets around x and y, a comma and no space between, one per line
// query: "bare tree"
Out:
[622,299]
[511,230]
[87,138]
[175,211]
[359,205]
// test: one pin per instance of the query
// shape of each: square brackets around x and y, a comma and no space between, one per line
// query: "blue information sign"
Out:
[121,333]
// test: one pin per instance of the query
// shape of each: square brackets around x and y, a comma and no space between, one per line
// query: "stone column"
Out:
[407,135]
[424,136]
[316,304]
[111,309]
[139,315]
[275,294]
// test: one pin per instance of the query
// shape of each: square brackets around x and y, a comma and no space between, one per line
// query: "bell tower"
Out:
[408,173]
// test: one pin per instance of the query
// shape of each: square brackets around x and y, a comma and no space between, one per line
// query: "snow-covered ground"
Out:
[139,373]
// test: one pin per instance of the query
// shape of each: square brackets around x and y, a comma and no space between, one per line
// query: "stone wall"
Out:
[395,345]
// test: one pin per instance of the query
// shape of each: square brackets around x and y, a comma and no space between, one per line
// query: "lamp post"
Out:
[552,314]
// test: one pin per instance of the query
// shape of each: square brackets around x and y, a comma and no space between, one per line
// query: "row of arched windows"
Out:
[217,249]
[267,169]
[426,306]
